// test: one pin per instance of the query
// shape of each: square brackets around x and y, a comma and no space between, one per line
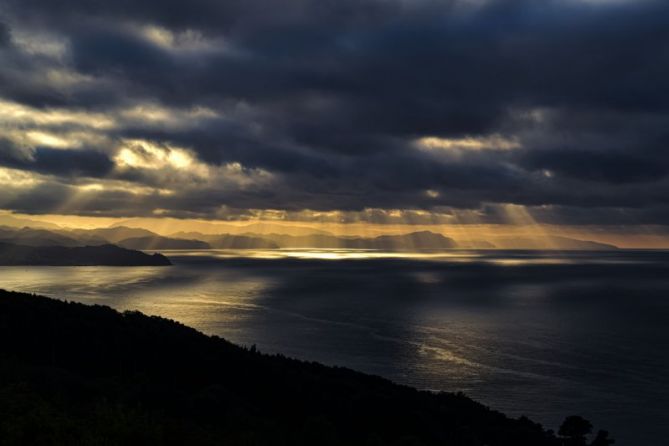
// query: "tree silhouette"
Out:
[574,430]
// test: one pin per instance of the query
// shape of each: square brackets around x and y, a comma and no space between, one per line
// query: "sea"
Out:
[535,333]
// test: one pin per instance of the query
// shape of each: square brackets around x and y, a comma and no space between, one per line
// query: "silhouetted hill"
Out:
[414,240]
[587,245]
[12,254]
[35,237]
[21,222]
[552,242]
[111,235]
[158,242]
[266,228]
[476,244]
[69,237]
[75,374]
[230,241]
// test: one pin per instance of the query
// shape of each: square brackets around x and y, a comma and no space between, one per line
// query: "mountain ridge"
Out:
[139,238]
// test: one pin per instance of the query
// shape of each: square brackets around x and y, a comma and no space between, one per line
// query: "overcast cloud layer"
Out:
[212,108]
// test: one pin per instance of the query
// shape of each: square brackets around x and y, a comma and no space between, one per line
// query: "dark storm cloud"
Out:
[332,97]
[212,15]
[605,165]
[45,160]
[4,35]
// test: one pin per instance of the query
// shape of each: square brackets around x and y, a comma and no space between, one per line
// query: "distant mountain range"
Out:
[143,239]
[229,241]
[219,228]
[7,219]
[552,242]
[154,242]
[415,240]
[109,235]
[37,237]
[105,255]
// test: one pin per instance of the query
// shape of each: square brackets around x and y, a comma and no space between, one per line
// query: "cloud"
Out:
[560,106]
[45,160]
[5,36]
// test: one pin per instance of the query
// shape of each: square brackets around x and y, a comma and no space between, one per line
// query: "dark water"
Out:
[545,335]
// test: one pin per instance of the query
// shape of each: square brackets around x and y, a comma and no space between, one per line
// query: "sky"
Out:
[384,112]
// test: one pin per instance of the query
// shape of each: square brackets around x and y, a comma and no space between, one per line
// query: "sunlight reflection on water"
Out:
[325,254]
[462,256]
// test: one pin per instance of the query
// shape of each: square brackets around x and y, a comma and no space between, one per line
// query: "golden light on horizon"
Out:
[463,233]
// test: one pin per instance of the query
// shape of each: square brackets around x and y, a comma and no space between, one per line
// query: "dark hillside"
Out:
[76,374]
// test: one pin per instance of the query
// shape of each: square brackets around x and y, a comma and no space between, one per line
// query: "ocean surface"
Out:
[542,334]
